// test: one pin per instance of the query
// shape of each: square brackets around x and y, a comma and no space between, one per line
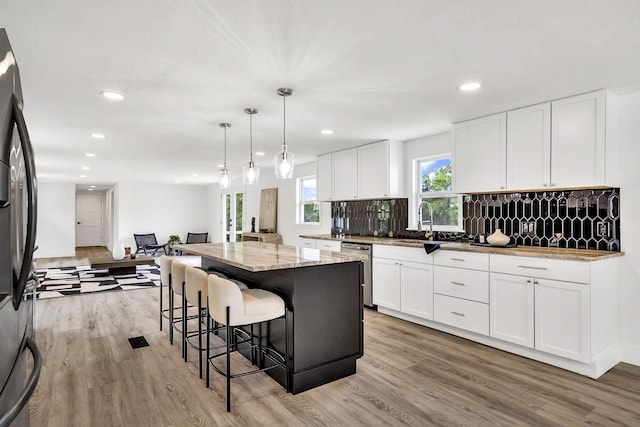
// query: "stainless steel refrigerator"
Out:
[17,243]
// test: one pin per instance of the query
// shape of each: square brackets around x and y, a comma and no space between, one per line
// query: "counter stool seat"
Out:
[234,307]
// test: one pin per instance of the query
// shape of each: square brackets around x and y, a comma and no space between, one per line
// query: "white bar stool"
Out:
[233,307]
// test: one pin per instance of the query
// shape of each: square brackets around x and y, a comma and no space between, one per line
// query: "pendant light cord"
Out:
[251,137]
[284,124]
[225,147]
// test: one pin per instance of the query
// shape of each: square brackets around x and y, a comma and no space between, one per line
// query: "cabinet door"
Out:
[386,283]
[511,300]
[345,174]
[417,289]
[479,154]
[325,177]
[578,141]
[529,147]
[562,319]
[373,170]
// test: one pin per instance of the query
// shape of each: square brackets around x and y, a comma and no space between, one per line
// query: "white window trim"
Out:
[417,195]
[300,203]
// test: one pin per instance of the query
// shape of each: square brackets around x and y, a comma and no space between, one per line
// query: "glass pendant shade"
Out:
[251,173]
[284,163]
[223,178]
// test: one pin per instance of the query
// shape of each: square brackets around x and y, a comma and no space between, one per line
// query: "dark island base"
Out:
[325,319]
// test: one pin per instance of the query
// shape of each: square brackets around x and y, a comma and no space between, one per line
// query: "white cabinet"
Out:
[562,319]
[324,175]
[345,174]
[379,170]
[511,305]
[529,147]
[309,243]
[479,154]
[329,245]
[461,313]
[403,280]
[578,141]
[371,171]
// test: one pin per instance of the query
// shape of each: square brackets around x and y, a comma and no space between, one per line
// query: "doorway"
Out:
[232,216]
[89,219]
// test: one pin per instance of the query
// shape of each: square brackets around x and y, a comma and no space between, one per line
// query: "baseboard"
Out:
[630,354]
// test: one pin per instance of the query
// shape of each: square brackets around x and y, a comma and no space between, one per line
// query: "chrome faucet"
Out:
[427,234]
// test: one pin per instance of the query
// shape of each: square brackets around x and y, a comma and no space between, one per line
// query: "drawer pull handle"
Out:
[533,268]
[457,259]
[457,314]
[457,283]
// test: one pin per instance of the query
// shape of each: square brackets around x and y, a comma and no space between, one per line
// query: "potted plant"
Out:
[173,240]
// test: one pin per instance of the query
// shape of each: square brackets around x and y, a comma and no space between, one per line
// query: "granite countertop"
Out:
[555,253]
[257,256]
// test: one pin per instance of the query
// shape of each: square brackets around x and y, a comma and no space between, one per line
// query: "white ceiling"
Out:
[369,70]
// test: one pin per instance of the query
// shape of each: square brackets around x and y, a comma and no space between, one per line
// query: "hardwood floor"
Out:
[81,258]
[409,375]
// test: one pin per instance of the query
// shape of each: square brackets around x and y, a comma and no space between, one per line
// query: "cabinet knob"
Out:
[528,281]
[545,185]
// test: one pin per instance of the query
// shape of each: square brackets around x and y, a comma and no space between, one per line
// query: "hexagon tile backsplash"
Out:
[581,219]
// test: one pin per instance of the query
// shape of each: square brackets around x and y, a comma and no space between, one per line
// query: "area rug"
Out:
[63,281]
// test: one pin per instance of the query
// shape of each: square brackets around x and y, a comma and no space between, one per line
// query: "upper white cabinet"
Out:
[379,170]
[568,143]
[479,154]
[529,147]
[324,177]
[345,174]
[371,171]
[578,141]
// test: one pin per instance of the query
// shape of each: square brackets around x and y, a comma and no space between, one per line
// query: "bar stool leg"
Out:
[160,305]
[228,363]
[171,305]
[286,348]
[208,343]
[184,322]
[200,332]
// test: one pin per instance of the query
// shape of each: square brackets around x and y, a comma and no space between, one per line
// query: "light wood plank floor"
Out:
[409,375]
[81,257]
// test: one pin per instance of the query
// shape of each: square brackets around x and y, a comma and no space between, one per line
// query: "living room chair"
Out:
[195,238]
[148,244]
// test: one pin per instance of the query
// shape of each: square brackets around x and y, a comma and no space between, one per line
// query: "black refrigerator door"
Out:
[23,203]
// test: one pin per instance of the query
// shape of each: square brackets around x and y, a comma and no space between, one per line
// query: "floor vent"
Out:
[137,342]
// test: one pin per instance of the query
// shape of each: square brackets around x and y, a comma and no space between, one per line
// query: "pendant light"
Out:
[284,159]
[224,178]
[251,172]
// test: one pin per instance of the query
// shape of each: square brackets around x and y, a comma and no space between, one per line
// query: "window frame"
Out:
[301,202]
[419,195]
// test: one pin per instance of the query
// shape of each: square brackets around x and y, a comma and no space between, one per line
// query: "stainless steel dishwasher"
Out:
[362,249]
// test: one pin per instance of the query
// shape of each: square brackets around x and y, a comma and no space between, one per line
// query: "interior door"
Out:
[232,216]
[89,220]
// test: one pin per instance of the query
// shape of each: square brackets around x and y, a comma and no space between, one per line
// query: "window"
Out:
[308,206]
[433,184]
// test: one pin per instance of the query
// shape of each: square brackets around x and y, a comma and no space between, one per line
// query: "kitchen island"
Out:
[323,294]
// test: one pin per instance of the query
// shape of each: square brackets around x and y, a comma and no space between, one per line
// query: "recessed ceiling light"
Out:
[178,182]
[89,154]
[109,94]
[98,136]
[83,176]
[326,132]
[86,168]
[259,153]
[195,175]
[469,86]
[92,186]
[91,189]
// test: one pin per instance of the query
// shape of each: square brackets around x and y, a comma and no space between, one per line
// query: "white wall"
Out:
[630,227]
[286,205]
[56,234]
[162,209]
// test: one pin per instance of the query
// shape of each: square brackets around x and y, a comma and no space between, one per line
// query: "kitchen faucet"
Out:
[427,234]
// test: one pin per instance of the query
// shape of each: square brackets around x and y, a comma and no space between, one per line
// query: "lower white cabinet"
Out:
[404,286]
[511,306]
[309,243]
[562,319]
[461,313]
[329,245]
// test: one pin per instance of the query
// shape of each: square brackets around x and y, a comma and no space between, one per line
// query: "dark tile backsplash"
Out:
[582,219]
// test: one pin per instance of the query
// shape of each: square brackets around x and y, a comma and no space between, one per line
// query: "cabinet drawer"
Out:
[402,253]
[329,245]
[470,315]
[543,268]
[460,259]
[462,283]
[309,243]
